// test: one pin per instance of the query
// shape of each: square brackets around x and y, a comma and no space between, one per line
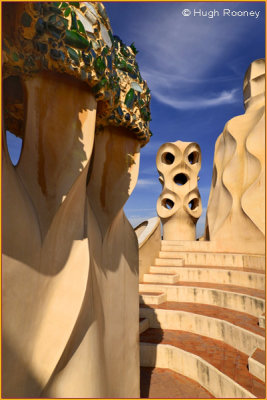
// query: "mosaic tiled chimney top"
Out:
[75,38]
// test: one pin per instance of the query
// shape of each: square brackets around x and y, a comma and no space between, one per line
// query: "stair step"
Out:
[262,320]
[161,278]
[152,297]
[239,330]
[260,294]
[187,245]
[164,383]
[204,258]
[214,275]
[240,319]
[207,359]
[256,364]
[177,262]
[254,261]
[250,301]
[205,253]
[143,325]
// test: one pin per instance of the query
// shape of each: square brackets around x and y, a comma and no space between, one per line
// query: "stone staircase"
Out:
[203,318]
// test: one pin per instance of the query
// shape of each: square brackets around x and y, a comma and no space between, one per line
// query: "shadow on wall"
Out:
[9,389]
[148,364]
[52,165]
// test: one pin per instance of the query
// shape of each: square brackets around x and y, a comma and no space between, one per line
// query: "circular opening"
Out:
[167,158]
[167,203]
[193,204]
[180,179]
[193,157]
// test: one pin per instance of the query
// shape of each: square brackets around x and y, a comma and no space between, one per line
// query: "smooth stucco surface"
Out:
[70,264]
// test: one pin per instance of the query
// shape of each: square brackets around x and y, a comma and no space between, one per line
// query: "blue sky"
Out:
[194,67]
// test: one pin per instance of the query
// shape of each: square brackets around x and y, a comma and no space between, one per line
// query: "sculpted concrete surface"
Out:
[70,256]
[179,204]
[236,214]
[70,267]
[149,240]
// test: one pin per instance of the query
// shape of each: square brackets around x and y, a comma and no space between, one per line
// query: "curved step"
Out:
[214,275]
[254,261]
[143,325]
[161,277]
[176,262]
[204,258]
[218,367]
[239,330]
[250,301]
[215,259]
[262,320]
[163,383]
[188,245]
[256,364]
[152,297]
[206,253]
[241,319]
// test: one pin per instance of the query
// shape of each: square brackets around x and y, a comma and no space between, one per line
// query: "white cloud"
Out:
[225,97]
[145,184]
[186,47]
[183,54]
[182,93]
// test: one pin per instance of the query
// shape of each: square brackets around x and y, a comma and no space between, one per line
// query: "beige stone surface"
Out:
[256,368]
[216,297]
[215,259]
[179,204]
[194,367]
[236,336]
[169,261]
[158,298]
[236,214]
[143,325]
[70,256]
[187,245]
[262,321]
[168,278]
[109,317]
[216,275]
[149,244]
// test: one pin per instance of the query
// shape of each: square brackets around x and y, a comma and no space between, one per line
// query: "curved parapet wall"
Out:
[236,214]
[145,230]
[149,240]
[179,204]
[75,38]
